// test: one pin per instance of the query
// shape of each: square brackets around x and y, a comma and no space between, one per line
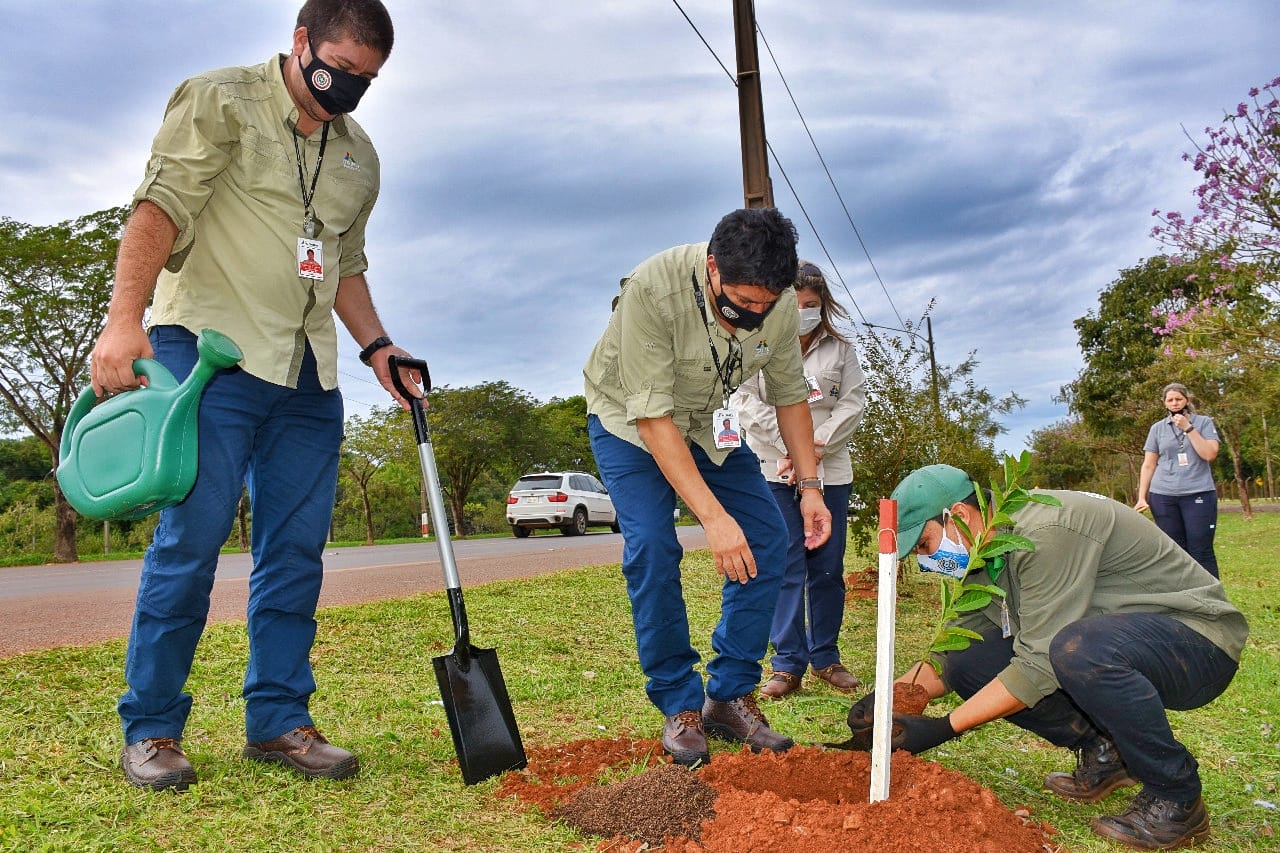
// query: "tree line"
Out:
[1206,313]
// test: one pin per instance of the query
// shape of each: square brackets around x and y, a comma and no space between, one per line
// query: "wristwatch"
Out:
[809,483]
[1188,430]
[378,343]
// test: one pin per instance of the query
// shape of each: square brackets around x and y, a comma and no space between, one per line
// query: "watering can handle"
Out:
[158,376]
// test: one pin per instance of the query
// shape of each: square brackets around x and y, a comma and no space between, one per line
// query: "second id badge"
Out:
[724,425]
[310,259]
[815,392]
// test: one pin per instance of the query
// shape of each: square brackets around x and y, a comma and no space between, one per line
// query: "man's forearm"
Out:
[672,455]
[796,425]
[145,247]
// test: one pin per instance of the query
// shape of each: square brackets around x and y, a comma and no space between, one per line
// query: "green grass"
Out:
[567,650]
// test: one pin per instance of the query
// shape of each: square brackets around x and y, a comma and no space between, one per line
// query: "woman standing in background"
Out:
[1176,482]
[813,584]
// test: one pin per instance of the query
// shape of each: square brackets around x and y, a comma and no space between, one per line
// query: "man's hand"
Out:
[817,518]
[411,378]
[917,734]
[729,547]
[860,722]
[111,364]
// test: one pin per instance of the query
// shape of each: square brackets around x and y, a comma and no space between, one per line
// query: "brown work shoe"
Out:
[1099,771]
[780,684]
[157,763]
[1152,823]
[684,740]
[304,749]
[839,677]
[741,721]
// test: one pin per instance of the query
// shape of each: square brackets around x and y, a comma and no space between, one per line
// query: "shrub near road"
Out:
[568,657]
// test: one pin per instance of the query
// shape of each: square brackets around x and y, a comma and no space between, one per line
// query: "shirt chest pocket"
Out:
[696,386]
[340,195]
[265,171]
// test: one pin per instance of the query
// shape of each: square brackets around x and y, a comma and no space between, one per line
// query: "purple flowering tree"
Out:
[1237,217]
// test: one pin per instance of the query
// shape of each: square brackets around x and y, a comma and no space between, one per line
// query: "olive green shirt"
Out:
[654,359]
[1096,556]
[224,169]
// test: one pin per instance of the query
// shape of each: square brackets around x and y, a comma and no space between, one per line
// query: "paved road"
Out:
[44,607]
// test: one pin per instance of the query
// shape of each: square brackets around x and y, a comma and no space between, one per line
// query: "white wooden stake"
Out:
[886,623]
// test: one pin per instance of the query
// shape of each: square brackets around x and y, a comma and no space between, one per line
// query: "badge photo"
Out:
[310,259]
[725,427]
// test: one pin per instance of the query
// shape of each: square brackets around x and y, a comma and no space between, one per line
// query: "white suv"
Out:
[569,500]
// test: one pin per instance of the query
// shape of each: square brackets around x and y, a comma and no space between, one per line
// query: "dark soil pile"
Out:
[660,803]
[803,800]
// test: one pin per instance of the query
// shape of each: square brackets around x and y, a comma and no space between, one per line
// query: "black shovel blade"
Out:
[480,715]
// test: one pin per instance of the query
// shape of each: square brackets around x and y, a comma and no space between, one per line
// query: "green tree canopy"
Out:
[55,285]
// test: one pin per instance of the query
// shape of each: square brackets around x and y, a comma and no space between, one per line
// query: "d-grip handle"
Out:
[158,376]
[419,411]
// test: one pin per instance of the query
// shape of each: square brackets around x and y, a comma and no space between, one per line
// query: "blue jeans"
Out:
[814,578]
[283,444]
[651,556]
[1118,673]
[1191,521]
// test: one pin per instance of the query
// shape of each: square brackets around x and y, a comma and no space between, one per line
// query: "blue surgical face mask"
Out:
[951,557]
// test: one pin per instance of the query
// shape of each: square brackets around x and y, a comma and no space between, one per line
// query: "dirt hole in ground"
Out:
[807,799]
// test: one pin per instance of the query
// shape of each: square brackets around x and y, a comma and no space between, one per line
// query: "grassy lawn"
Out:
[566,647]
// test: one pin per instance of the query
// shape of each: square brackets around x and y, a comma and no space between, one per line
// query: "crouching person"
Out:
[1103,627]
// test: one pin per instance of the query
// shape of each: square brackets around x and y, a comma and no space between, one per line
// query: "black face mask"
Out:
[335,90]
[737,316]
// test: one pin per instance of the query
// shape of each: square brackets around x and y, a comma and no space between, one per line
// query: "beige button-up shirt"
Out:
[224,169]
[654,358]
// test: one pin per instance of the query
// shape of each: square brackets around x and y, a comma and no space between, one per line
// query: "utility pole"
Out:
[757,189]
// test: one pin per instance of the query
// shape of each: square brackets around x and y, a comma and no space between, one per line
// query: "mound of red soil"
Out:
[803,800]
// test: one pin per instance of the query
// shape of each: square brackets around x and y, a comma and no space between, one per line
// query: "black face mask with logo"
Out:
[739,317]
[335,90]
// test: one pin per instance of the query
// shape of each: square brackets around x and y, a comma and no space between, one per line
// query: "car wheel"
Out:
[579,524]
[520,532]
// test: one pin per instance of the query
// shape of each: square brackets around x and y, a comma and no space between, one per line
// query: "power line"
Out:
[729,74]
[832,181]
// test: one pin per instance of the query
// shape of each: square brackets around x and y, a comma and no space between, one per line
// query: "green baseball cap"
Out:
[923,495]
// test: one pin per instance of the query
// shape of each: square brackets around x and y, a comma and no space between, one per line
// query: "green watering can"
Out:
[135,453]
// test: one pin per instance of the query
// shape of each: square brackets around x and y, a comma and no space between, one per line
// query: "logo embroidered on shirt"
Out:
[348,162]
[762,348]
[835,392]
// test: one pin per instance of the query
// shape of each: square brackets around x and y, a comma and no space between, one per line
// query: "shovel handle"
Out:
[435,499]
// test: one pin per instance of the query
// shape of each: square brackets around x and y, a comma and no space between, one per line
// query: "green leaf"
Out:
[950,644]
[1047,500]
[945,595]
[990,588]
[972,599]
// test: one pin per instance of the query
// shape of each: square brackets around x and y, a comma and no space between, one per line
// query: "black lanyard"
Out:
[308,217]
[1180,434]
[733,360]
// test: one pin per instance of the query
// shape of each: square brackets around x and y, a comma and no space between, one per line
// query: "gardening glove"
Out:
[859,721]
[916,734]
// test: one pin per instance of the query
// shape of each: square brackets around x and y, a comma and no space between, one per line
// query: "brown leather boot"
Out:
[684,740]
[741,721]
[1099,771]
[157,763]
[1152,823]
[780,684]
[304,749]
[839,677]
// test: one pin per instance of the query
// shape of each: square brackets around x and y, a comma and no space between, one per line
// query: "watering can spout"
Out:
[136,453]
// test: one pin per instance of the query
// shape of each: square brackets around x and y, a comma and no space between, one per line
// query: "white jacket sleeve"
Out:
[847,412]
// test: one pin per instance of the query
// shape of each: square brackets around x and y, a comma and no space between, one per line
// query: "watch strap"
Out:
[809,483]
[376,344]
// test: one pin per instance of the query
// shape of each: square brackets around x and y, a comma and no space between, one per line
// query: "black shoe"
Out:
[1099,771]
[684,740]
[741,721]
[1151,823]
[304,749]
[157,763]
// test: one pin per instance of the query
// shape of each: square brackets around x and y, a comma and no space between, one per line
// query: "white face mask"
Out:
[809,319]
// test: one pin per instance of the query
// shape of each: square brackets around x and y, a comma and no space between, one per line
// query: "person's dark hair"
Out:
[365,22]
[756,246]
[810,277]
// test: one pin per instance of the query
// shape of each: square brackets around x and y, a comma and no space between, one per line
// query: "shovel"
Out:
[481,720]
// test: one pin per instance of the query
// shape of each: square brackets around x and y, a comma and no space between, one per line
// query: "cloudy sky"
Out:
[1002,158]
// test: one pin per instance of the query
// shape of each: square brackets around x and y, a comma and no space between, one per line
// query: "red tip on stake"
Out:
[888,526]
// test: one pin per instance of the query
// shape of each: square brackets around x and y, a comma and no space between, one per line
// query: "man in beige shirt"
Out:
[690,325]
[253,168]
